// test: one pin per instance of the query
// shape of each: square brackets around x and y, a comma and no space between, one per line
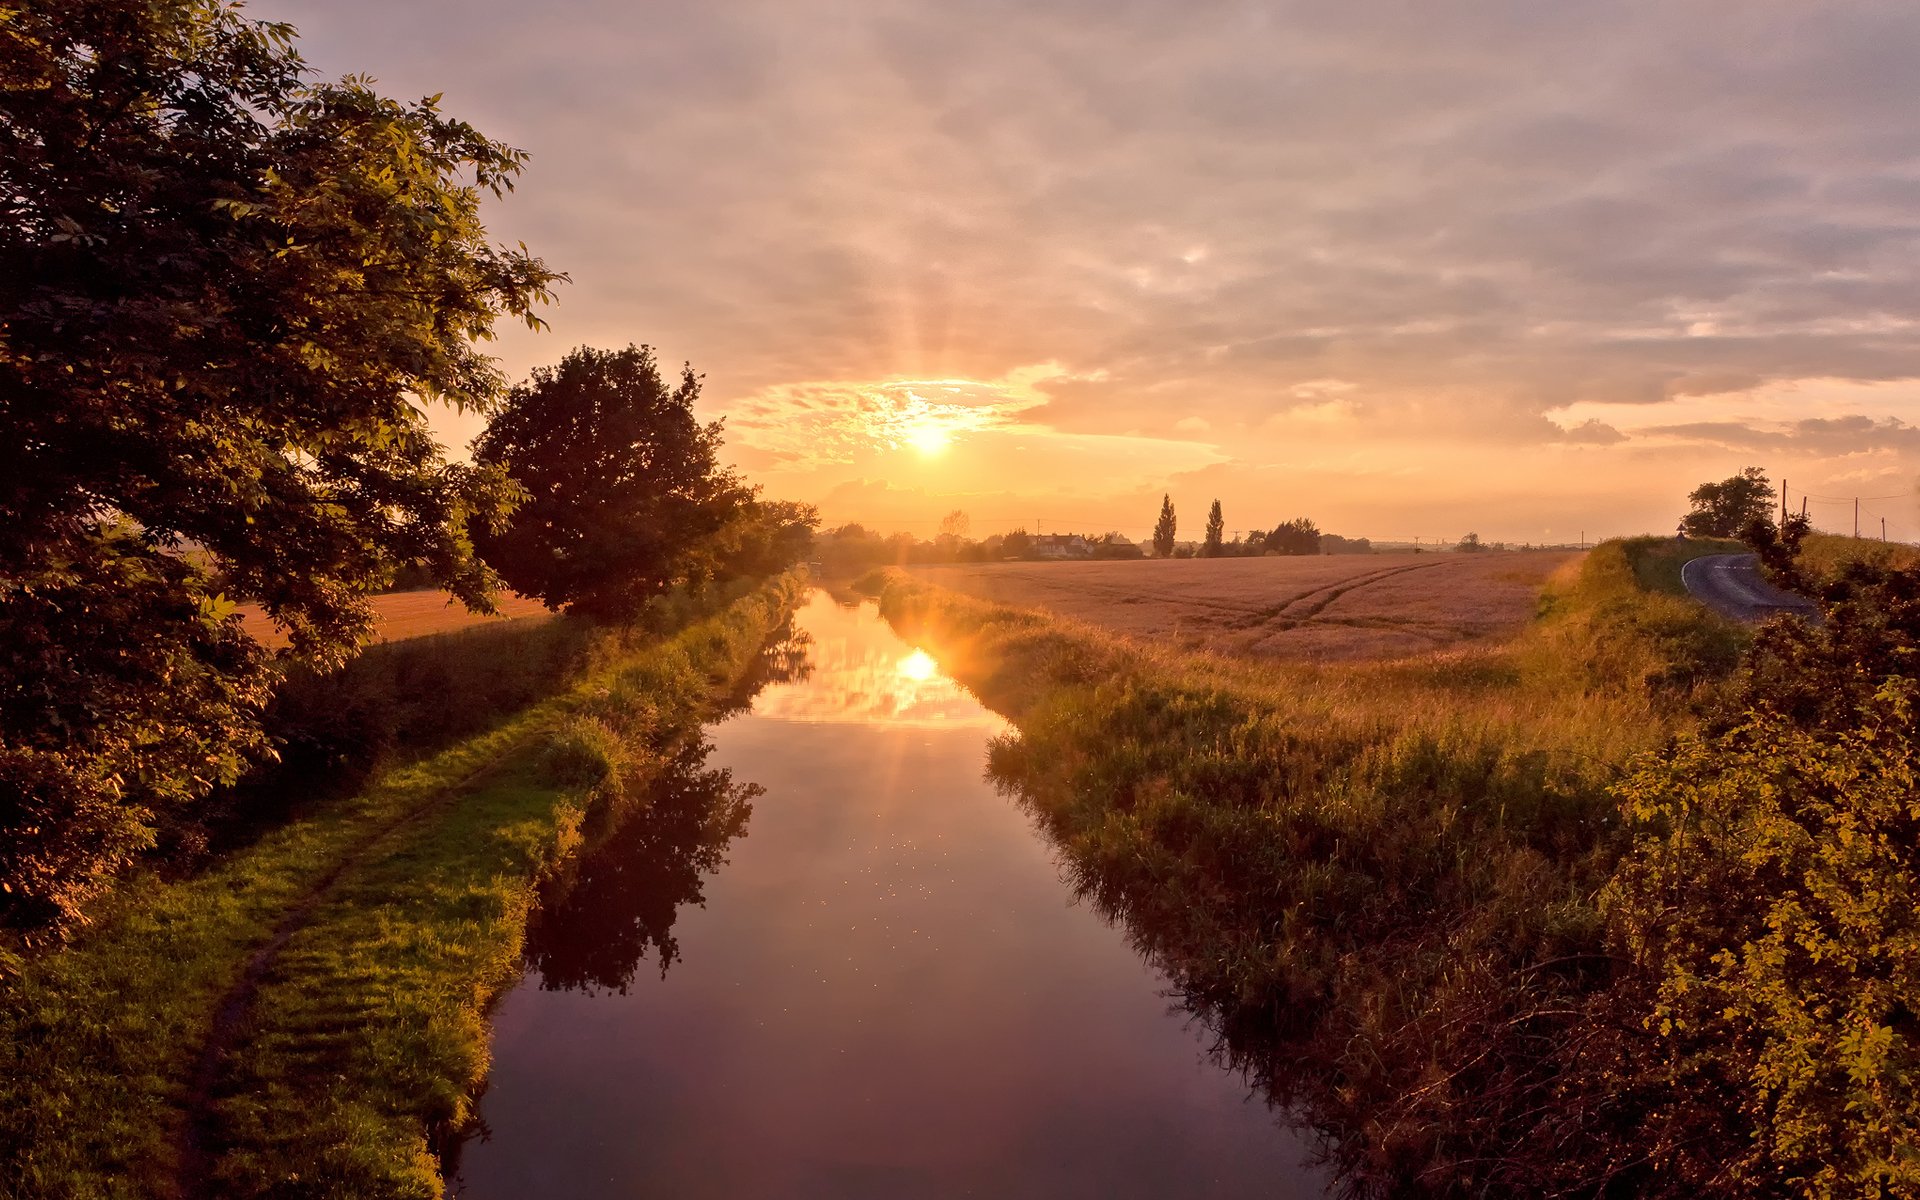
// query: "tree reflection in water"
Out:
[601,916]
[598,920]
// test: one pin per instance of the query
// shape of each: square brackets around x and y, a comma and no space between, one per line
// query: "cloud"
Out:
[1476,218]
[1813,435]
[1594,433]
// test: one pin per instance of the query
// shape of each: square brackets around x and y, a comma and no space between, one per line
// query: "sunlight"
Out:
[929,439]
[918,666]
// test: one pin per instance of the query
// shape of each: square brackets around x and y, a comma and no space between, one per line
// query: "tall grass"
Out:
[402,907]
[1376,881]
[1825,556]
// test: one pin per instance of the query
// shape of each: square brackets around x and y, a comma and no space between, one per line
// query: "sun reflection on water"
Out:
[918,666]
[863,674]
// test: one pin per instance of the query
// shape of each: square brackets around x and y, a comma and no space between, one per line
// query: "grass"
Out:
[1823,556]
[1657,561]
[1375,880]
[402,907]
[1327,608]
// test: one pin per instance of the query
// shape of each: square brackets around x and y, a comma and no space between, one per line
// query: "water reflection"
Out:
[865,681]
[877,990]
[598,920]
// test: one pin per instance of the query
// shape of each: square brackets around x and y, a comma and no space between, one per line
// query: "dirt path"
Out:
[195,1143]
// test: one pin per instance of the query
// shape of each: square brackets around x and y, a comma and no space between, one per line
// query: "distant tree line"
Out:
[1299,536]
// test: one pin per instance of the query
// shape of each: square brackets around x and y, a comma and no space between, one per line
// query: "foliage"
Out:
[1821,558]
[1163,529]
[1725,509]
[1216,526]
[1770,898]
[1374,882]
[369,1034]
[1626,623]
[1471,544]
[626,497]
[224,291]
[333,729]
[764,538]
[1298,536]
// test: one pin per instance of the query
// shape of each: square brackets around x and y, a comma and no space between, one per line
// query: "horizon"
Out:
[1511,271]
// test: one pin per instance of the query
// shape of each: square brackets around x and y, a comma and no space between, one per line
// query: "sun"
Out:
[918,666]
[929,439]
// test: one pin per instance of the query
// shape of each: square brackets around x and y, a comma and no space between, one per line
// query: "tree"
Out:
[1163,529]
[1298,536]
[225,293]
[625,494]
[1216,525]
[1017,544]
[1725,509]
[1470,544]
[765,536]
[955,525]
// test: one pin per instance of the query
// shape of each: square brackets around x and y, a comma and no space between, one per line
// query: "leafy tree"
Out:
[1470,544]
[225,293]
[1017,544]
[1216,526]
[626,497]
[1298,536]
[1725,509]
[766,536]
[1163,529]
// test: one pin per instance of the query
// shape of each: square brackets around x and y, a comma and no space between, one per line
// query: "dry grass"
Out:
[1332,608]
[402,615]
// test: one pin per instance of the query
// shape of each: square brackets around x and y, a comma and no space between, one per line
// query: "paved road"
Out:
[1731,585]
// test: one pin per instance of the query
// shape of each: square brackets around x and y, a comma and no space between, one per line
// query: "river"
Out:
[829,959]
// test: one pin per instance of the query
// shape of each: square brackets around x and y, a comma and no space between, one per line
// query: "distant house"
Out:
[1116,545]
[1062,545]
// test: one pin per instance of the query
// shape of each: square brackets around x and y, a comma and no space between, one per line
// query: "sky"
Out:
[1527,269]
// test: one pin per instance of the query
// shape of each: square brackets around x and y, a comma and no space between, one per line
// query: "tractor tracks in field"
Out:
[195,1148]
[1299,609]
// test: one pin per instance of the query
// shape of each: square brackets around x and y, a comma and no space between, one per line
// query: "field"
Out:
[400,615]
[1330,608]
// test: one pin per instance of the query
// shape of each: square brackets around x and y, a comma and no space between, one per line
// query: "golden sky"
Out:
[1526,269]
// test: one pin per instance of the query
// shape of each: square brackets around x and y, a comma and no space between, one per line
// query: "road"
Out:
[1730,584]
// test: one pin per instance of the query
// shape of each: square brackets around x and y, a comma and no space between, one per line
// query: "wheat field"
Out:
[1336,607]
[400,615]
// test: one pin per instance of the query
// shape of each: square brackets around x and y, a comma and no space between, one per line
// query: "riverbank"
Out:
[306,1016]
[1377,882]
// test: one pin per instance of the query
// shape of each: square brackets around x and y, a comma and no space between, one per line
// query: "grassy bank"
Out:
[1657,560]
[337,966]
[1376,881]
[1824,556]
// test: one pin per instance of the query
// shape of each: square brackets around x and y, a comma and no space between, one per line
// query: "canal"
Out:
[829,959]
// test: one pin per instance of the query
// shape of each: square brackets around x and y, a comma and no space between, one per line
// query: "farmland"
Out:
[1333,608]
[400,615]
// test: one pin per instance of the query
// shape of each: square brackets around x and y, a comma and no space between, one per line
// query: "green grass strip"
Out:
[366,1032]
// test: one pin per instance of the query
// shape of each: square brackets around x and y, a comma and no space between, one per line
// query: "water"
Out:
[830,960]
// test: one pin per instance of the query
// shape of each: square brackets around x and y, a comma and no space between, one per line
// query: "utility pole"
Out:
[1856,516]
[1783,502]
[1883,529]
